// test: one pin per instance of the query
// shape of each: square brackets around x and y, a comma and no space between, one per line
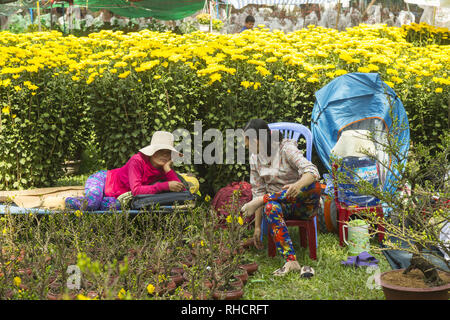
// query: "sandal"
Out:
[307,272]
[288,266]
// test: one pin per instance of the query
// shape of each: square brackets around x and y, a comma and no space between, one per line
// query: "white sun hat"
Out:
[160,140]
[354,143]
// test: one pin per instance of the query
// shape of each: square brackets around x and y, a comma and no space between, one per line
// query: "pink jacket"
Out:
[136,176]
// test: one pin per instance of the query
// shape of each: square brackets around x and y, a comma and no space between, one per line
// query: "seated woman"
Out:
[147,172]
[283,183]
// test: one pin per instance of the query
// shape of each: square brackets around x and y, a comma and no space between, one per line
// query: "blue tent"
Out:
[359,101]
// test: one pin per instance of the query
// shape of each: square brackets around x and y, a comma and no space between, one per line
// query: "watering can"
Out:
[358,236]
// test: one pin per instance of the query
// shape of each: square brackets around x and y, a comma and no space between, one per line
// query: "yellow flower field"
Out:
[155,81]
[314,54]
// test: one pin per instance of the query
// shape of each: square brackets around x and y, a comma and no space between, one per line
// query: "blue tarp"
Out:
[353,98]
[401,259]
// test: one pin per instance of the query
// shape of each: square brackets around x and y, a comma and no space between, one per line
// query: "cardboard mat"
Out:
[47,198]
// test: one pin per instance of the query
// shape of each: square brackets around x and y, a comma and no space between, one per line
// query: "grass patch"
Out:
[332,281]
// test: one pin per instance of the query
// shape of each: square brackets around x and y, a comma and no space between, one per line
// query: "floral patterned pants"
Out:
[94,198]
[301,207]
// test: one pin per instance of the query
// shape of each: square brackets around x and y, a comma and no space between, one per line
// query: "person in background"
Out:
[249,23]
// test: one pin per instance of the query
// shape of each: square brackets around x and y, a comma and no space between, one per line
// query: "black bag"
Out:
[143,201]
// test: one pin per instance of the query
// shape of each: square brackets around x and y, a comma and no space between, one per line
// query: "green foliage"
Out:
[423,34]
[417,212]
[35,27]
[132,25]
[187,27]
[39,132]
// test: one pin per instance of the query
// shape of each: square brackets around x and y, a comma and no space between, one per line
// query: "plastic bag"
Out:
[364,168]
[17,23]
[406,18]
[311,19]
[355,17]
[329,17]
[374,14]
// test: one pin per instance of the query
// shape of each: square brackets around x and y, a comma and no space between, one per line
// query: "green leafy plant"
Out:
[419,210]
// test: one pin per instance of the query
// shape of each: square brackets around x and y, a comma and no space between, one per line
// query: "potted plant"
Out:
[217,25]
[418,214]
[232,290]
[242,274]
[248,265]
[226,285]
[204,20]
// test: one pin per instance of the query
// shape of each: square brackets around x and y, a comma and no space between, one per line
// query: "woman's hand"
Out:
[257,238]
[176,186]
[168,166]
[293,190]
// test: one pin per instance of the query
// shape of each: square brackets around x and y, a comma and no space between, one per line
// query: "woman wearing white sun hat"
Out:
[147,172]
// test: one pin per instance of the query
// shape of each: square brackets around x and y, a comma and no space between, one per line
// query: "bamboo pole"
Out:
[368,7]
[38,16]
[304,18]
[51,16]
[338,14]
[434,15]
[211,10]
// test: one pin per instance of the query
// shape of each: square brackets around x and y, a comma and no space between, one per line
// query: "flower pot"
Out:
[177,278]
[23,271]
[228,295]
[177,270]
[94,295]
[251,268]
[132,254]
[54,284]
[187,261]
[168,288]
[113,279]
[243,276]
[235,291]
[60,296]
[208,284]
[203,27]
[248,243]
[188,295]
[397,292]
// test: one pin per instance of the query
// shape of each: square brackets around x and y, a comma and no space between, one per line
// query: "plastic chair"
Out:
[344,212]
[307,228]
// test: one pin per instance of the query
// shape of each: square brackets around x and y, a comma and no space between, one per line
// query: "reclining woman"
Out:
[284,183]
[147,172]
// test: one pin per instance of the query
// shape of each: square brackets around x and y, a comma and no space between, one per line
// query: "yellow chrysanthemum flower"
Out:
[124,75]
[17,281]
[215,77]
[122,294]
[150,288]
[262,71]
[6,110]
[246,84]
